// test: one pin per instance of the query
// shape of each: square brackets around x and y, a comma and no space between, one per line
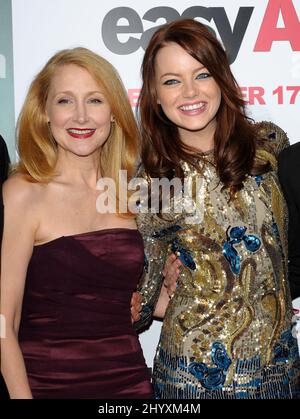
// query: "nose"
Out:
[190,88]
[80,113]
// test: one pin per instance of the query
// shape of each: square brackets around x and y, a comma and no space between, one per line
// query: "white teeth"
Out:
[192,107]
[80,131]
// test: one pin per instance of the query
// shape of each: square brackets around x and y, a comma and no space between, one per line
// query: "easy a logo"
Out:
[269,32]
[231,37]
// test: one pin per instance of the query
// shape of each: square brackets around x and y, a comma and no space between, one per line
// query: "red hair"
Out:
[235,137]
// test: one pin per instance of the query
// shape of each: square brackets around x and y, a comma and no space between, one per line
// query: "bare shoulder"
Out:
[18,190]
[22,200]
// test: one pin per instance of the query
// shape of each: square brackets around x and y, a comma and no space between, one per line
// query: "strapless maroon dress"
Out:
[75,332]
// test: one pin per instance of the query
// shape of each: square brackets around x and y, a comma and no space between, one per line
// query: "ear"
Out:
[112,119]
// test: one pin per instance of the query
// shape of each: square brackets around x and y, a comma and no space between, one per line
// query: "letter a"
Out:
[269,32]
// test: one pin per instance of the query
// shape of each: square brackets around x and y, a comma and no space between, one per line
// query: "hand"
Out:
[171,272]
[135,307]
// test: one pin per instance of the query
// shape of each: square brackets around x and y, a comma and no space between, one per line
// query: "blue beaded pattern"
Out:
[212,377]
[183,254]
[236,235]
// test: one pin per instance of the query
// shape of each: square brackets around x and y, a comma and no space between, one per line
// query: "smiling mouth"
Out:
[193,107]
[81,133]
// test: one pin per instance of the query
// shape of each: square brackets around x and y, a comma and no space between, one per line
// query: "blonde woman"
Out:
[68,271]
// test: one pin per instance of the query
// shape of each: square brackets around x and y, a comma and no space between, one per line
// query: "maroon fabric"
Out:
[75,333]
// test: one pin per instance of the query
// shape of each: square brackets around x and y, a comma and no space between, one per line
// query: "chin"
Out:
[195,127]
[85,152]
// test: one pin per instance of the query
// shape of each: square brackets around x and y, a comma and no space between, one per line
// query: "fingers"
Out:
[169,261]
[136,298]
[172,264]
[135,317]
[171,272]
[136,306]
[171,257]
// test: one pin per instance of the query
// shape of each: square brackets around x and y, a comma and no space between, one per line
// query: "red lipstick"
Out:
[81,133]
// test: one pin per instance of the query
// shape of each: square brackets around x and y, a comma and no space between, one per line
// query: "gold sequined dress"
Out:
[227,329]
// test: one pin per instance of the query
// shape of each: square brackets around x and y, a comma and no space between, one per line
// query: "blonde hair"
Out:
[36,145]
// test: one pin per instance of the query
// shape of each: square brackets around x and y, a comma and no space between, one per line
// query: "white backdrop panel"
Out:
[40,28]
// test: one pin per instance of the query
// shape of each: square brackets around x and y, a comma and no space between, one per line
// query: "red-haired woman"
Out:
[227,329]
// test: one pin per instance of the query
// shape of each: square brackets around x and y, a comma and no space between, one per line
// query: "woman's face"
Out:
[188,95]
[79,113]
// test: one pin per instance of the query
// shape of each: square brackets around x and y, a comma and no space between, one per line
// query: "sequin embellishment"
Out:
[212,377]
[236,235]
[183,254]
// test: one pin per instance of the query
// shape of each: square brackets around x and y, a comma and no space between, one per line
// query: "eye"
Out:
[170,82]
[203,76]
[63,101]
[95,100]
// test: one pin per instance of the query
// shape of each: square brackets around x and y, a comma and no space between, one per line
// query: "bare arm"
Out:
[17,245]
[162,303]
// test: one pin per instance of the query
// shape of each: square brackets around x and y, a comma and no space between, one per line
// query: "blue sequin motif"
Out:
[212,377]
[183,254]
[258,179]
[146,263]
[236,235]
[272,135]
[286,348]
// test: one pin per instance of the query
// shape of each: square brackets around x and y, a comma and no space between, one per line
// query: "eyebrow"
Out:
[178,75]
[69,92]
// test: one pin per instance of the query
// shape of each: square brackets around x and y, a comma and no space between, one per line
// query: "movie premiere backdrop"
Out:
[262,38]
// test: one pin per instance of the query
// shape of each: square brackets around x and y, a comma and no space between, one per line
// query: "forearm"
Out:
[162,303]
[13,368]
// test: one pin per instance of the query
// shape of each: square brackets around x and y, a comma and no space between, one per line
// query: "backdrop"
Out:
[262,38]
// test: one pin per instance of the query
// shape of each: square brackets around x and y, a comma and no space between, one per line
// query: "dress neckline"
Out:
[100,231]
[206,153]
